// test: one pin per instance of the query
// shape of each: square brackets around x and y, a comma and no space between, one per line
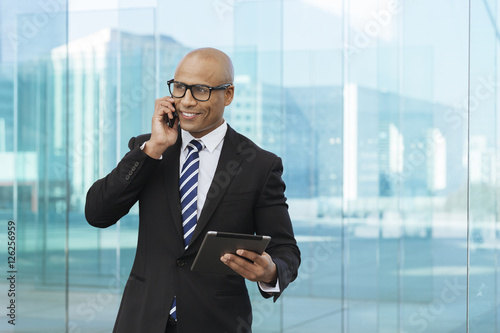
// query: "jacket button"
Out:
[127,177]
[180,262]
[130,173]
[136,164]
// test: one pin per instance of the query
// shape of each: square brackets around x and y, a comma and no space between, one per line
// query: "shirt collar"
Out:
[211,140]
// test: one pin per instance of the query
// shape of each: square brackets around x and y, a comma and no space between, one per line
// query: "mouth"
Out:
[189,115]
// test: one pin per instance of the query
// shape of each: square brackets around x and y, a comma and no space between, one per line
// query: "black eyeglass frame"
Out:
[189,86]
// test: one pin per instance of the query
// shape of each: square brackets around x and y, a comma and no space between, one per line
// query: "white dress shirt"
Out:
[209,158]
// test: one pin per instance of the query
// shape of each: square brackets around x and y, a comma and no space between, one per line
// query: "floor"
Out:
[94,312]
[422,291]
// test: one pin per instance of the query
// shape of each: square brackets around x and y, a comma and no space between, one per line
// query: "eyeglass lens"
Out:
[199,92]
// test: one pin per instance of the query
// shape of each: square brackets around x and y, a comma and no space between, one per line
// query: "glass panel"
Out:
[117,69]
[380,204]
[313,141]
[92,60]
[113,82]
[433,181]
[257,110]
[33,144]
[483,169]
[367,133]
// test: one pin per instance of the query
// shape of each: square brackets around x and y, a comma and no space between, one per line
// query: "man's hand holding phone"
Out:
[162,135]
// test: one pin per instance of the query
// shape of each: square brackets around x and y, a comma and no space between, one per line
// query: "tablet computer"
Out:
[216,243]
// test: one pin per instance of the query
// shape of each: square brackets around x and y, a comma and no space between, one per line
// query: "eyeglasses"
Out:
[200,92]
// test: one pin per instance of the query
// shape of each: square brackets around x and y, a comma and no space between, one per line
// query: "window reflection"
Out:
[385,120]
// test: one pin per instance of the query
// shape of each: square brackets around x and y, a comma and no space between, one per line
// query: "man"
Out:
[238,189]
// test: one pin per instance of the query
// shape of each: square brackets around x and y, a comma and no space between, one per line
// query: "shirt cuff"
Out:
[268,288]
[144,145]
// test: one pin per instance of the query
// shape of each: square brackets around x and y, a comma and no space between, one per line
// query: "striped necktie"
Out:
[188,188]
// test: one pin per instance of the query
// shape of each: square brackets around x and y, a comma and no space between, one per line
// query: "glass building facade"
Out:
[384,112]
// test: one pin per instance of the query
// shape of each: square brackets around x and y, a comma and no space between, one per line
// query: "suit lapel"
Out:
[230,159]
[171,182]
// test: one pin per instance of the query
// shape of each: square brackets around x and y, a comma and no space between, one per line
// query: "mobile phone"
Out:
[170,121]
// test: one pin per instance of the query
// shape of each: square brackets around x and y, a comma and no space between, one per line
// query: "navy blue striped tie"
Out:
[188,189]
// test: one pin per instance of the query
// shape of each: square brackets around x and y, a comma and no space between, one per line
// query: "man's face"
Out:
[200,118]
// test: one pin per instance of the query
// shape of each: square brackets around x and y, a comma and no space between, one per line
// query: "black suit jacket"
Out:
[246,196]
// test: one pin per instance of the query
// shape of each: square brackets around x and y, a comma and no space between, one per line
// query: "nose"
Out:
[188,99]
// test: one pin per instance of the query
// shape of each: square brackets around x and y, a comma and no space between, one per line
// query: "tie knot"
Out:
[196,145]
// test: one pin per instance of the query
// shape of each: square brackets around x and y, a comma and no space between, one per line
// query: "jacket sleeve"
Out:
[111,197]
[272,218]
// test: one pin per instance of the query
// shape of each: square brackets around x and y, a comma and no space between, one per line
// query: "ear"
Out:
[228,95]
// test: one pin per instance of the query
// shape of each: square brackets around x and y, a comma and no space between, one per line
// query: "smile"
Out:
[189,115]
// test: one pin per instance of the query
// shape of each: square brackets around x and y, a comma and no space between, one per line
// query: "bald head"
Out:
[212,68]
[220,65]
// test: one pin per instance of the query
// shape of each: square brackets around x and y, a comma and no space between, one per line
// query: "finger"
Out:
[162,105]
[167,98]
[249,275]
[163,112]
[166,107]
[261,260]
[169,101]
[242,262]
[170,104]
[242,266]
